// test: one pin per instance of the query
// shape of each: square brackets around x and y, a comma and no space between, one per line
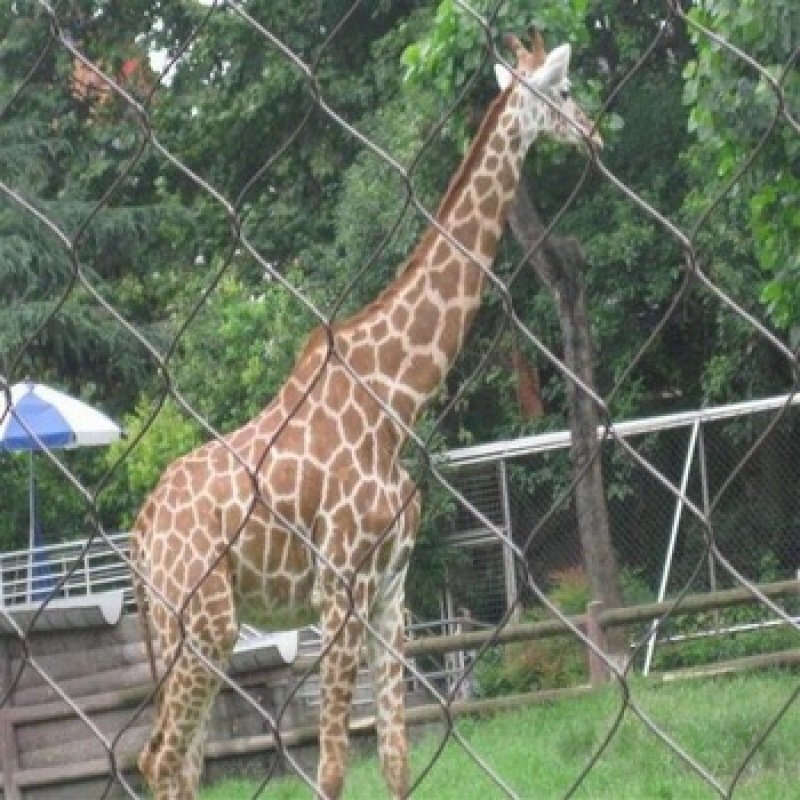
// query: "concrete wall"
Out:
[52,748]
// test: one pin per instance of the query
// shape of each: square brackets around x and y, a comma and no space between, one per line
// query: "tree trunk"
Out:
[558,264]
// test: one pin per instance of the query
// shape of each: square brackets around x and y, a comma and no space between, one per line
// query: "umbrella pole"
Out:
[31,523]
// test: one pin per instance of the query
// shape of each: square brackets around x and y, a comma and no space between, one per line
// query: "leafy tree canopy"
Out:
[306,200]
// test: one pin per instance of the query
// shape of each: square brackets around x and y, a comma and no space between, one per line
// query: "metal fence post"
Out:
[673,538]
[509,568]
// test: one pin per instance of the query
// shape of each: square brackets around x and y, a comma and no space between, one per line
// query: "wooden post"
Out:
[9,756]
[599,670]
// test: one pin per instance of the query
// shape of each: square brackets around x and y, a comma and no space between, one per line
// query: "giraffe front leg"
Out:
[387,670]
[342,633]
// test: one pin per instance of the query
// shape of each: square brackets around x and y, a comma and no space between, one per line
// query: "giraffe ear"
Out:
[555,69]
[504,76]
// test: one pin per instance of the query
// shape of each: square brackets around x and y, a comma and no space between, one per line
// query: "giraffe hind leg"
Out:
[389,684]
[169,762]
[172,760]
[385,647]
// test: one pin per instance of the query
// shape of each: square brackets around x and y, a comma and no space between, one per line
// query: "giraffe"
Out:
[309,502]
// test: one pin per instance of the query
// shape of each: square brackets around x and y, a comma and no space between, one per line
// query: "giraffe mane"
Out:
[459,178]
[467,165]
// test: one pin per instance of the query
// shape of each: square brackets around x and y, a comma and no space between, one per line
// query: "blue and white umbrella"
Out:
[38,416]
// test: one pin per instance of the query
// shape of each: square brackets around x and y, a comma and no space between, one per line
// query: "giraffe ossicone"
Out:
[310,497]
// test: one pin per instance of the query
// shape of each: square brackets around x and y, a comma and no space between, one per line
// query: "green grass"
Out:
[540,751]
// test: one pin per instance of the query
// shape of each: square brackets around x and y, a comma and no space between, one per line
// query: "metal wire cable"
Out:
[694,277]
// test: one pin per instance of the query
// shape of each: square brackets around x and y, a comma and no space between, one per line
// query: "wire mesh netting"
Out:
[188,190]
[661,552]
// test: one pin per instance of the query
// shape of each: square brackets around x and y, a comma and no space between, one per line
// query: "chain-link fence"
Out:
[691,508]
[662,552]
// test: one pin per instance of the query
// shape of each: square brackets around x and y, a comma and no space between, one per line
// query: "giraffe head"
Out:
[541,94]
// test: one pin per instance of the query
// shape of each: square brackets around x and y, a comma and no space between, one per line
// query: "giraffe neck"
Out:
[418,323]
[401,346]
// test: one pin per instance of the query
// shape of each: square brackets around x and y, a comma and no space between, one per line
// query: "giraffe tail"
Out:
[142,602]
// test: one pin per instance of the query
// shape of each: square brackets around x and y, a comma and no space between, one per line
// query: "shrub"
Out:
[570,590]
[543,664]
[550,663]
[708,649]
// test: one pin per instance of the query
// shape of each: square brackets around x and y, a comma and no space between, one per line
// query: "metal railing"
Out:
[72,569]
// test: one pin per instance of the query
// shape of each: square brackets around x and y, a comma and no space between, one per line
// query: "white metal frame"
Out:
[559,440]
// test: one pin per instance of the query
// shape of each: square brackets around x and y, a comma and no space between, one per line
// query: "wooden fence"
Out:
[48,752]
